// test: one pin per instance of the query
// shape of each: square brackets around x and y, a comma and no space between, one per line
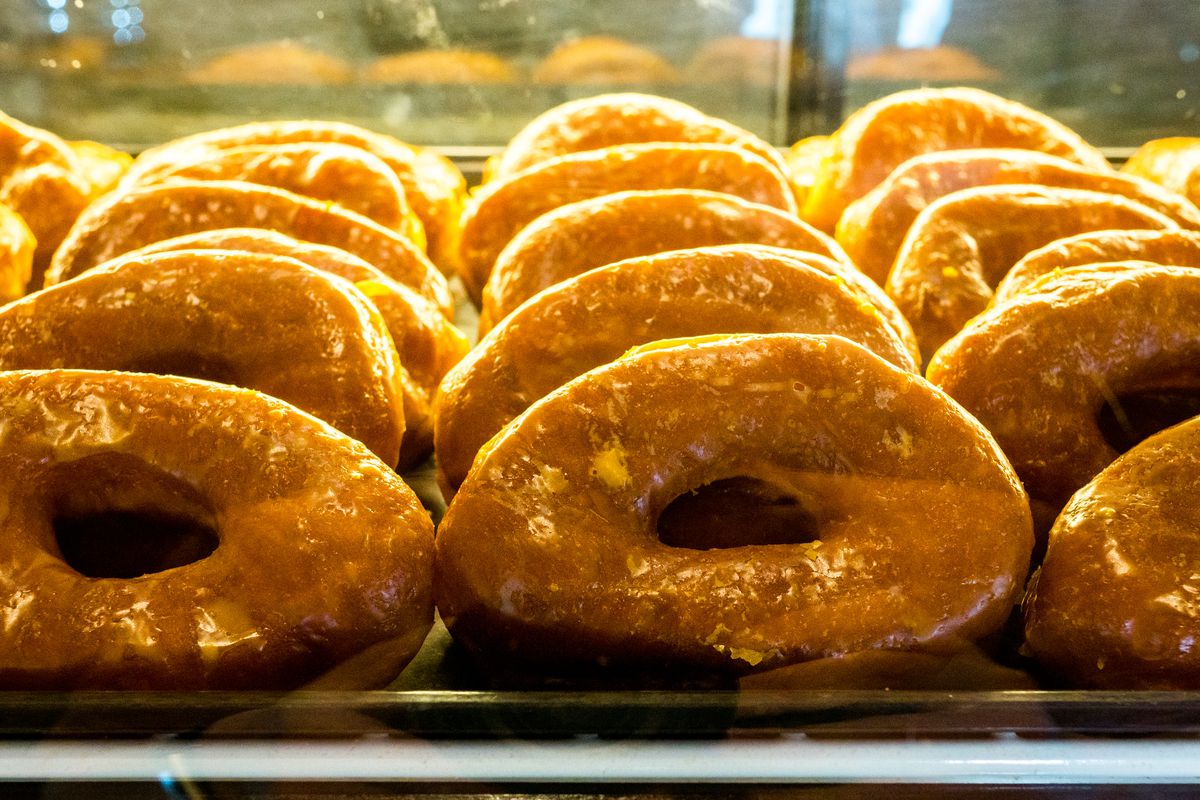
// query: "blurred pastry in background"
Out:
[453,66]
[735,61]
[277,63]
[918,64]
[603,61]
[1173,162]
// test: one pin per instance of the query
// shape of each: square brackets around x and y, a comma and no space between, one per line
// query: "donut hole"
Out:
[185,364]
[736,512]
[115,516]
[1128,418]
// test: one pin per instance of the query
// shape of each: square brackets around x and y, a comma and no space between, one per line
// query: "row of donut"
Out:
[552,457]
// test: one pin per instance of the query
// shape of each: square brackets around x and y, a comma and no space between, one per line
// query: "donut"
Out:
[740,61]
[941,63]
[282,63]
[802,162]
[1038,370]
[593,318]
[501,208]
[433,186]
[17,246]
[872,228]
[126,220]
[604,120]
[566,501]
[1174,248]
[42,180]
[102,166]
[323,557]
[591,233]
[257,321]
[960,246]
[428,344]
[1173,162]
[1114,605]
[884,134]
[349,176]
[602,61]
[453,66]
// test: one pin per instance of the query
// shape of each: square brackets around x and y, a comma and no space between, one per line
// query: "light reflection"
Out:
[58,22]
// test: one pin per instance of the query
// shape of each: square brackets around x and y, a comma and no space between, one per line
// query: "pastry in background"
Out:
[449,67]
[943,63]
[280,63]
[736,61]
[880,136]
[1173,162]
[603,61]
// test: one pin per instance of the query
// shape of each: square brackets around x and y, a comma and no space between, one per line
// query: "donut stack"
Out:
[287,259]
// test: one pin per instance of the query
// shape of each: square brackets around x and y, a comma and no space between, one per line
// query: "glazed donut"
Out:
[604,120]
[593,318]
[349,176]
[433,186]
[17,246]
[884,134]
[322,554]
[1038,370]
[1173,162]
[278,63]
[428,344]
[591,233]
[501,208]
[960,246]
[565,504]
[872,228]
[453,66]
[1172,248]
[1114,605]
[127,220]
[603,61]
[258,321]
[100,165]
[802,162]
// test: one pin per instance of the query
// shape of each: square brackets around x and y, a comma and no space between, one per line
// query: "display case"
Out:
[462,77]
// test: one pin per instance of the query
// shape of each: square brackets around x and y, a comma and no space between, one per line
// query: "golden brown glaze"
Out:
[872,228]
[257,321]
[453,66]
[603,61]
[565,503]
[884,134]
[1038,370]
[100,165]
[605,120]
[591,233]
[593,318]
[127,220]
[1173,162]
[1174,248]
[503,207]
[16,253]
[962,245]
[434,187]
[349,176]
[1115,605]
[324,554]
[428,344]
[803,161]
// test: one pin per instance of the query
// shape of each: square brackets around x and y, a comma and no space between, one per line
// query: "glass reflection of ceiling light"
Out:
[55,4]
[922,22]
[58,22]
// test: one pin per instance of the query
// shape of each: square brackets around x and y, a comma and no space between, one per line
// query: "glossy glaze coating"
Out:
[962,245]
[566,500]
[349,176]
[591,233]
[432,184]
[126,220]
[624,118]
[873,227]
[1115,604]
[16,253]
[428,344]
[1037,371]
[884,134]
[803,161]
[324,553]
[594,318]
[502,208]
[257,321]
[1174,248]
[1173,162]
